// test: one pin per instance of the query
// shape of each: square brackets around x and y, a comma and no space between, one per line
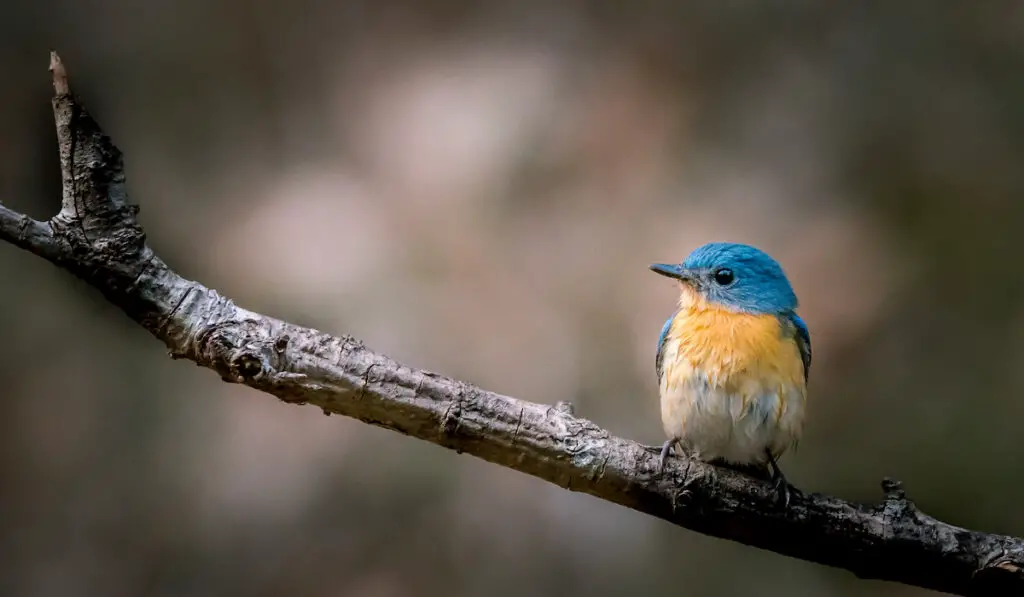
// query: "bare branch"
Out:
[96,237]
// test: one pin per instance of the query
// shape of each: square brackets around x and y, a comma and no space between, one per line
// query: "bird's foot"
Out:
[780,487]
[781,490]
[666,448]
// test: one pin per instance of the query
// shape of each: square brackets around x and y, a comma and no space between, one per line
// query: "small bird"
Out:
[733,361]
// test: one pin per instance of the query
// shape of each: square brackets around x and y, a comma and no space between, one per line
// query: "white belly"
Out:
[712,423]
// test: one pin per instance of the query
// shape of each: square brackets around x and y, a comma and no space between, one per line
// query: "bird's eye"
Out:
[724,277]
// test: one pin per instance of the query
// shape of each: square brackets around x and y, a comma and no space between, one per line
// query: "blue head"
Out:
[737,277]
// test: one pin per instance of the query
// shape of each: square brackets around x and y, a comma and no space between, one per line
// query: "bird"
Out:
[733,361]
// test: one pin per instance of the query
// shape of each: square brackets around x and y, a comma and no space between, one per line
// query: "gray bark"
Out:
[96,237]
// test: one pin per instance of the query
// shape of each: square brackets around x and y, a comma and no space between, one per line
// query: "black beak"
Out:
[677,272]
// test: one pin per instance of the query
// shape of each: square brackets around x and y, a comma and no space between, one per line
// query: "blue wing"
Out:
[803,341]
[661,344]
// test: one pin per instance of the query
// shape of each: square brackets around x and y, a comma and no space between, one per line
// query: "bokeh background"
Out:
[477,188]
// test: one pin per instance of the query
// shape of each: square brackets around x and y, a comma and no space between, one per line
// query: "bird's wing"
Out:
[661,344]
[803,341]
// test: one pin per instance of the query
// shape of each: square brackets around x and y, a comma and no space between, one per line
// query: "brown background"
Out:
[477,188]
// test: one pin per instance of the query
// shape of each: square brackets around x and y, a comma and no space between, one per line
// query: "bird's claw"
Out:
[781,490]
[780,487]
[665,449]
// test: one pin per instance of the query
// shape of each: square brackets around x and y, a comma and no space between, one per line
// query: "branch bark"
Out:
[96,237]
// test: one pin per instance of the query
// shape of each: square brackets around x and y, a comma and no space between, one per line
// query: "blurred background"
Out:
[477,188]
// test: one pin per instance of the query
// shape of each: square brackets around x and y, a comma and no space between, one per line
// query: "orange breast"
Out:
[741,353]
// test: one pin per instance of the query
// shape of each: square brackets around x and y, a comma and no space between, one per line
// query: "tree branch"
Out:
[96,237]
